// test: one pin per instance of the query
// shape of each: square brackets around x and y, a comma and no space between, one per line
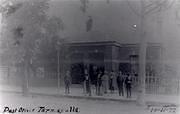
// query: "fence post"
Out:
[178,88]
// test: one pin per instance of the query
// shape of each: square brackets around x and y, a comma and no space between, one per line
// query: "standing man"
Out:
[128,82]
[87,83]
[99,80]
[67,82]
[95,74]
[120,81]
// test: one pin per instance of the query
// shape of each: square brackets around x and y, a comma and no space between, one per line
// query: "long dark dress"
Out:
[111,87]
[87,81]
[99,81]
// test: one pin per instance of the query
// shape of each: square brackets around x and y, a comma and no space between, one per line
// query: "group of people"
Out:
[104,82]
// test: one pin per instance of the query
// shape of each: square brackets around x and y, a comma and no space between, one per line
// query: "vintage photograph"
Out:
[89,56]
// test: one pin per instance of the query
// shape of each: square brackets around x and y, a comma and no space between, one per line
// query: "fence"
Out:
[159,85]
[154,84]
[3,72]
[12,77]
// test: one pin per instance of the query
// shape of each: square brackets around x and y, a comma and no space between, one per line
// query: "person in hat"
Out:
[128,83]
[120,81]
[87,83]
[67,82]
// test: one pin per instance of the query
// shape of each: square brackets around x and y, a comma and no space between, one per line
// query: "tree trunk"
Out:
[142,74]
[58,69]
[25,84]
[142,59]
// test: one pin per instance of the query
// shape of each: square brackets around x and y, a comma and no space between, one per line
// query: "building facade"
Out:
[110,56]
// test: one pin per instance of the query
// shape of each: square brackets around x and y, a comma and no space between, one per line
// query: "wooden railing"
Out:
[159,85]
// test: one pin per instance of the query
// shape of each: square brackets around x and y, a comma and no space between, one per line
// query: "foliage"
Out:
[89,24]
[9,7]
[22,28]
[31,35]
[84,5]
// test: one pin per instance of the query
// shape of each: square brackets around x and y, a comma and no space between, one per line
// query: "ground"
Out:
[84,106]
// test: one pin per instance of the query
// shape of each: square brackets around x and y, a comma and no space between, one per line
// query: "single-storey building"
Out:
[110,55]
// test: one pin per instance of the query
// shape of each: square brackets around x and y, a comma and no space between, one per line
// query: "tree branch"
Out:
[133,10]
[158,6]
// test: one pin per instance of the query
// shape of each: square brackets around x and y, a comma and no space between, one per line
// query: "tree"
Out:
[32,37]
[89,24]
[9,7]
[177,13]
[53,41]
[23,20]
[84,5]
[147,8]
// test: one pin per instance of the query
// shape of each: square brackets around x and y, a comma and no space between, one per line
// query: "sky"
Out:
[115,21]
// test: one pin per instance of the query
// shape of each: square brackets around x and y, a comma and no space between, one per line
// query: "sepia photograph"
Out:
[89,56]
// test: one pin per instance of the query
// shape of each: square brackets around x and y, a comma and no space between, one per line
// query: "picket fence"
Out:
[154,84]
